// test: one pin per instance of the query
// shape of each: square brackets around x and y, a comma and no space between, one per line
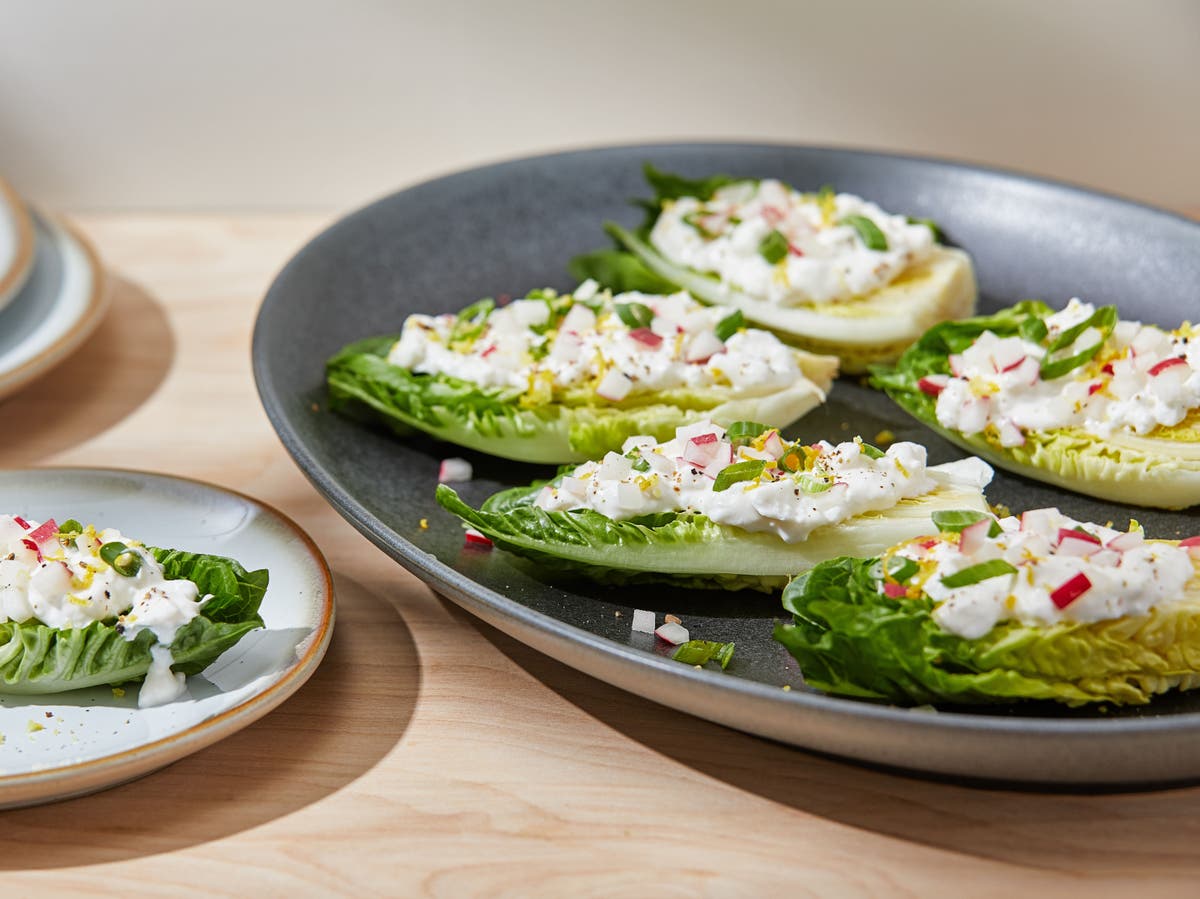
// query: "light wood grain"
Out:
[434,756]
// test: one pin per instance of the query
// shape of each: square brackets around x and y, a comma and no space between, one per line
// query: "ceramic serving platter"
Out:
[52,747]
[57,309]
[508,228]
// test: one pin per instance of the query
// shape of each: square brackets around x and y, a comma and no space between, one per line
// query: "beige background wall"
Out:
[234,104]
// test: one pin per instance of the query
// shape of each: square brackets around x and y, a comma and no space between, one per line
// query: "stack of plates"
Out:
[52,292]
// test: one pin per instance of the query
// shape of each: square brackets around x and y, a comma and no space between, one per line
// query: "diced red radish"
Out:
[1040,521]
[933,384]
[701,451]
[1010,434]
[45,532]
[1192,545]
[773,214]
[794,250]
[614,386]
[659,463]
[974,536]
[1007,354]
[1013,365]
[1108,369]
[1166,365]
[722,461]
[1074,543]
[893,590]
[1123,543]
[646,337]
[773,445]
[1030,370]
[703,347]
[488,351]
[1095,387]
[21,521]
[474,538]
[454,471]
[928,544]
[672,633]
[643,621]
[956,365]
[32,547]
[1069,591]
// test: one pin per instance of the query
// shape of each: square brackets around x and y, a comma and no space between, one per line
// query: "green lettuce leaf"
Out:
[1142,471]
[852,640]
[37,659]
[363,383]
[688,549]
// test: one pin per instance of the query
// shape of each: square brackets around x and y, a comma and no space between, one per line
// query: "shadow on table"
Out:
[323,738]
[1063,830]
[116,370]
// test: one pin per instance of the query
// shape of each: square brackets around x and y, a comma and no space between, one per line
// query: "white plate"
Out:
[73,743]
[59,307]
[16,244]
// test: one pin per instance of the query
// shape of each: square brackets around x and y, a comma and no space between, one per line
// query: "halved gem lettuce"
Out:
[494,420]
[1157,471]
[35,658]
[866,330]
[689,549]
[852,640]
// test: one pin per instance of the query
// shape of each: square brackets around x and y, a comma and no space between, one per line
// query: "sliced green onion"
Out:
[871,452]
[1033,330]
[741,432]
[693,219]
[954,520]
[729,325]
[123,560]
[811,483]
[701,652]
[477,311]
[976,573]
[868,232]
[641,464]
[70,528]
[902,572]
[773,247]
[931,225]
[1104,319]
[739,471]
[634,315]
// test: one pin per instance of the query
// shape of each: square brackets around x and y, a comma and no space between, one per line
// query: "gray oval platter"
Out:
[508,228]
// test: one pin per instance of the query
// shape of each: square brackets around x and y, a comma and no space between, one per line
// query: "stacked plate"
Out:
[52,292]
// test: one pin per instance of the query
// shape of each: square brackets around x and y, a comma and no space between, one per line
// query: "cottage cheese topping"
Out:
[825,260]
[545,346]
[64,583]
[1141,379]
[1058,570]
[789,490]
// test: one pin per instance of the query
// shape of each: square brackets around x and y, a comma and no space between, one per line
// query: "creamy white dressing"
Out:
[832,483]
[592,348]
[1091,579]
[1132,385]
[826,260]
[66,584]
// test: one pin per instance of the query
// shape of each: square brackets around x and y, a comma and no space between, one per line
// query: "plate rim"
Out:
[12,280]
[89,319]
[115,768]
[519,620]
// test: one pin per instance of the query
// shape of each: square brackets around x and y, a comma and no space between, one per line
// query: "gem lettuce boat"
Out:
[711,508]
[82,608]
[552,378]
[829,272]
[1077,398]
[1036,607]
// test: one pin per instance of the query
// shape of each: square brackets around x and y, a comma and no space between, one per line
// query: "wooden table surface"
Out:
[431,755]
